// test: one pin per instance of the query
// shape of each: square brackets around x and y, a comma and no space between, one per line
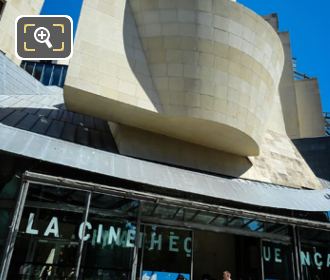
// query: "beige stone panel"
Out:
[279,163]
[216,48]
[161,52]
[239,70]
[13,9]
[311,120]
[147,145]
[194,130]
[288,92]
[111,65]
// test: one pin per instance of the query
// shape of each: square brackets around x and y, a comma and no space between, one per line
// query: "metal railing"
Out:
[47,73]
[300,76]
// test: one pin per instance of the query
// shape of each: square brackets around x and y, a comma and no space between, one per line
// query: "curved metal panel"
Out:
[44,148]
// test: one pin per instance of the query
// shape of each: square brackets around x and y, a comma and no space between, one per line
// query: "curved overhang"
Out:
[203,74]
[195,129]
[161,177]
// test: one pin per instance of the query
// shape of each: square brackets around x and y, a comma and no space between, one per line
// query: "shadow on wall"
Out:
[137,59]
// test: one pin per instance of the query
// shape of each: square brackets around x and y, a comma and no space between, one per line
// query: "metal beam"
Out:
[247,223]
[220,229]
[213,219]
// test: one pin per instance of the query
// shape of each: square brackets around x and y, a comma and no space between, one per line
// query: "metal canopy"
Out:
[178,208]
[153,212]
[57,151]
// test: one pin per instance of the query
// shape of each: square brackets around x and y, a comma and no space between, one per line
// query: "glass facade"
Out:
[315,254]
[61,232]
[48,73]
[70,233]
[8,196]
[277,261]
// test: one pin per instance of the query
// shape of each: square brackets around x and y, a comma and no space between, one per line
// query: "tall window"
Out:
[2,6]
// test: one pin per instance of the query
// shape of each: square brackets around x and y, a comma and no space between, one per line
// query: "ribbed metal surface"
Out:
[47,115]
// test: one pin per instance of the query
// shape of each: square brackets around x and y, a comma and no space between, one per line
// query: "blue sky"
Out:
[63,7]
[309,25]
[307,21]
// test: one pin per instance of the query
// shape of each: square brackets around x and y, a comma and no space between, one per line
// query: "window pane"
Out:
[167,253]
[110,238]
[315,254]
[278,262]
[49,234]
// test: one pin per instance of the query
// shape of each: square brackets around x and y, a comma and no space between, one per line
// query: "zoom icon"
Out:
[44,37]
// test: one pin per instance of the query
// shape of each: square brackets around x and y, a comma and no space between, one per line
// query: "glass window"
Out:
[166,253]
[56,76]
[315,254]
[110,238]
[53,229]
[315,261]
[47,74]
[8,195]
[29,67]
[277,261]
[49,234]
[38,71]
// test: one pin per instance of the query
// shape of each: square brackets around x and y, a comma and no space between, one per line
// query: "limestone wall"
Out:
[311,120]
[13,9]
[205,72]
[189,83]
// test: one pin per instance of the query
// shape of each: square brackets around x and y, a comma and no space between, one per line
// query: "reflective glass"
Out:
[315,254]
[109,239]
[277,261]
[49,234]
[166,253]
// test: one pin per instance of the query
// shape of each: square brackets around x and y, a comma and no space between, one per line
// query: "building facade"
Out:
[177,143]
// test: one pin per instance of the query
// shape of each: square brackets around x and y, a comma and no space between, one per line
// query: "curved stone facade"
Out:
[13,9]
[203,71]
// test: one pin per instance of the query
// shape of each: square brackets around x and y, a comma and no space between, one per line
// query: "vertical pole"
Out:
[192,255]
[13,229]
[142,251]
[61,77]
[81,245]
[42,73]
[51,76]
[34,69]
[136,245]
[300,268]
[262,261]
[296,251]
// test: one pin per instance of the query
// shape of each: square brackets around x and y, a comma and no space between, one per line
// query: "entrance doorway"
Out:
[215,253]
[165,253]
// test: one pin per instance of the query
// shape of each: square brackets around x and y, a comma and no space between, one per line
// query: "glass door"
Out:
[165,253]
